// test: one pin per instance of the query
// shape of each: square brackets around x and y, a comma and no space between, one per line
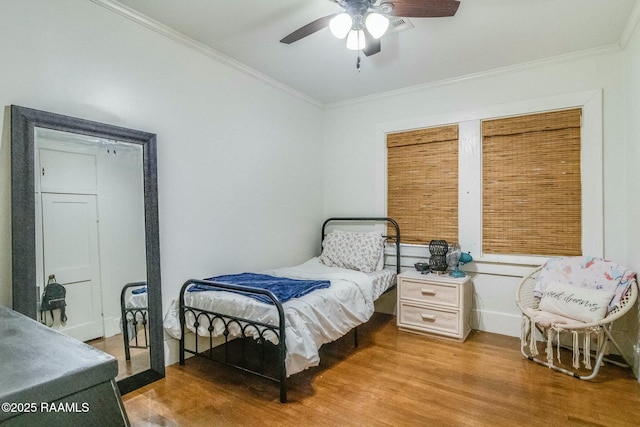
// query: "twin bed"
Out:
[289,312]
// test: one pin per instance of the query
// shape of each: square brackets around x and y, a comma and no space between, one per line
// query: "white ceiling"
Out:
[484,35]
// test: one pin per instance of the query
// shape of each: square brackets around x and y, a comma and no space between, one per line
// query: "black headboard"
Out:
[395,238]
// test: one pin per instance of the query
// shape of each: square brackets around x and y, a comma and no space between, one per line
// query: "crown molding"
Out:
[174,35]
[632,25]
[177,36]
[559,59]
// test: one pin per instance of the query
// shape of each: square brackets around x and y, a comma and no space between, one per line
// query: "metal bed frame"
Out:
[130,316]
[246,326]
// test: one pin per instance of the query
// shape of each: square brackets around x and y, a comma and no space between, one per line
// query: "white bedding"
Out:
[315,319]
[137,301]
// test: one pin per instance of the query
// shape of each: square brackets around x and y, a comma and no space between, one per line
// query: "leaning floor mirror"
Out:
[85,216]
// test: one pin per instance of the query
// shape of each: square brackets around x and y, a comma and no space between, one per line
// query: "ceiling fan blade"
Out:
[424,8]
[308,29]
[372,45]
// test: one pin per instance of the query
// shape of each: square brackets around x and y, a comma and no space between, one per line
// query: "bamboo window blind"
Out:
[531,199]
[422,183]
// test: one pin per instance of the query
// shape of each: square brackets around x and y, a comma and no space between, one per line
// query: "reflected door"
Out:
[70,239]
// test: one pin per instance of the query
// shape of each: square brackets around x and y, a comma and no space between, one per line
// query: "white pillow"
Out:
[380,263]
[586,305]
[355,251]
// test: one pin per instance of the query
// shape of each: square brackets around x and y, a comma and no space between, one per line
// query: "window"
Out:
[422,183]
[531,184]
[578,203]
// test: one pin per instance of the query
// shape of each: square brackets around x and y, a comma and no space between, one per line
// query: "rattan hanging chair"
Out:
[580,335]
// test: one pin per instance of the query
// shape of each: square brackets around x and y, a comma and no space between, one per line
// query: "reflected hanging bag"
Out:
[53,298]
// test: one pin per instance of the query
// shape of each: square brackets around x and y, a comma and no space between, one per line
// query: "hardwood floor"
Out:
[394,378]
[114,346]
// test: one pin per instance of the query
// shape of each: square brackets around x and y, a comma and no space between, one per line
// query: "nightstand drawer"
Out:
[430,292]
[429,319]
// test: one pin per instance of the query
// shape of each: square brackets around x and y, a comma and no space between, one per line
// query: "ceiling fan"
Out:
[363,22]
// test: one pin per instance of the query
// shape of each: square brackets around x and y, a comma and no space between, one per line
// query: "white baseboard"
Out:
[171,351]
[111,326]
[172,347]
[386,303]
[497,323]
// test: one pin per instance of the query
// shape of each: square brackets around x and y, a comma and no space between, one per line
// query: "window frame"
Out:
[470,170]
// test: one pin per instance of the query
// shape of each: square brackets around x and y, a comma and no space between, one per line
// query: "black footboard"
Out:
[259,332]
[131,316]
[247,327]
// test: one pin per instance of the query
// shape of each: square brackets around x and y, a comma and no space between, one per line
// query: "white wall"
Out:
[354,154]
[239,183]
[632,156]
[632,153]
[240,186]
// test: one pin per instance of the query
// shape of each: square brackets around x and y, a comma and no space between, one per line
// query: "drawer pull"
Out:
[429,292]
[428,318]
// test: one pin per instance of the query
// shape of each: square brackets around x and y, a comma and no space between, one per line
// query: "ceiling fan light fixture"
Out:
[376,24]
[355,40]
[340,25]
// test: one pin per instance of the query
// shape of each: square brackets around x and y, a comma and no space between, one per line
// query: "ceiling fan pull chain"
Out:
[358,62]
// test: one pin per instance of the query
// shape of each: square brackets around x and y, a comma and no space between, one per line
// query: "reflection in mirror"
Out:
[91,227]
[89,196]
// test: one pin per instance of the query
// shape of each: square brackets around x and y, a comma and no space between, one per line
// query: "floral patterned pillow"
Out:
[355,251]
[586,272]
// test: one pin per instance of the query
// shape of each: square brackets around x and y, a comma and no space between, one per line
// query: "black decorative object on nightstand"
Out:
[438,258]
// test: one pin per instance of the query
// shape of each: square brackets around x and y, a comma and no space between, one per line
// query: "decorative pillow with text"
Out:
[586,305]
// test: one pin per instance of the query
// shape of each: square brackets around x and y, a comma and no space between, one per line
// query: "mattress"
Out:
[310,321]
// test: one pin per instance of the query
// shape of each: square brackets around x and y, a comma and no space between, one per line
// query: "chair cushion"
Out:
[586,272]
[574,302]
[546,319]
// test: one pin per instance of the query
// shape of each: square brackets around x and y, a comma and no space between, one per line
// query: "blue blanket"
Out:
[282,287]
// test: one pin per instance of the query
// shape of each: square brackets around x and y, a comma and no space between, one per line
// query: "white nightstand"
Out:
[434,304]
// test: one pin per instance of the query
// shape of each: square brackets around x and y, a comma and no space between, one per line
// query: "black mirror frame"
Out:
[23,123]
